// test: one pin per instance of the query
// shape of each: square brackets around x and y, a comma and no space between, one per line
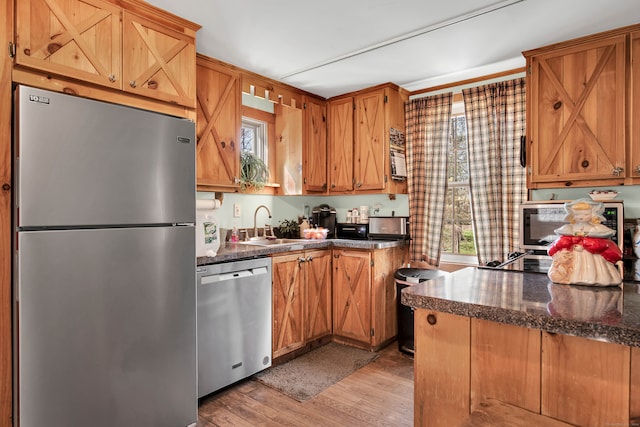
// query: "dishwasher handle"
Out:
[223,277]
[233,275]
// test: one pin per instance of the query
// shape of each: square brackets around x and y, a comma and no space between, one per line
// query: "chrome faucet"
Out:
[255,214]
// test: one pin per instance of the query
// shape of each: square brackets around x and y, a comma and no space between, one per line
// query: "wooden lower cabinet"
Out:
[364,296]
[505,361]
[585,382]
[318,286]
[301,299]
[352,295]
[461,362]
[634,395]
[441,368]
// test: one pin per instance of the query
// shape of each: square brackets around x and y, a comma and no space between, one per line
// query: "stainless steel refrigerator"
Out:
[104,272]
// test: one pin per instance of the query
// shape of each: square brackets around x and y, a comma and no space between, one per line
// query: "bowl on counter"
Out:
[601,195]
[315,233]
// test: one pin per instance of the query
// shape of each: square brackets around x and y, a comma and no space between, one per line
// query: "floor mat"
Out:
[307,375]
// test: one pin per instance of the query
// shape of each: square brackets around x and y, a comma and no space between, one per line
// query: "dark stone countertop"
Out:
[531,300]
[235,251]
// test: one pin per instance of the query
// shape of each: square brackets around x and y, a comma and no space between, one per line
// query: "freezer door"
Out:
[107,328]
[85,162]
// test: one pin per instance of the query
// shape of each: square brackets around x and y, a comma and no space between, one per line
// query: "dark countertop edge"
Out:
[615,334]
[236,251]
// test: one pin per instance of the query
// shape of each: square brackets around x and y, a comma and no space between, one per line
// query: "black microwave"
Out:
[539,219]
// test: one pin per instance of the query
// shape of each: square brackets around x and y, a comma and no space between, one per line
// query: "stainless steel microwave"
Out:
[539,219]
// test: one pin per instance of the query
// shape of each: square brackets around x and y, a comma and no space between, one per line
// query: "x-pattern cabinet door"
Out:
[218,123]
[352,295]
[318,293]
[288,303]
[577,103]
[158,62]
[369,157]
[80,39]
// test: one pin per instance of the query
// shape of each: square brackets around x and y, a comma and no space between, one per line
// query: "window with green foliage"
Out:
[253,138]
[457,235]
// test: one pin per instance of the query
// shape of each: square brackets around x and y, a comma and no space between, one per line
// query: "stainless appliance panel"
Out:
[234,322]
[107,327]
[389,226]
[539,219]
[121,165]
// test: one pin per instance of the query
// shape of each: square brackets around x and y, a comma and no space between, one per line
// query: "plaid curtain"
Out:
[427,125]
[495,116]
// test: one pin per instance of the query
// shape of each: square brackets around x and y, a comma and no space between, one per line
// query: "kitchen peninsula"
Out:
[570,353]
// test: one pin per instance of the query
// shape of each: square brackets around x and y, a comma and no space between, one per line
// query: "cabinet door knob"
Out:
[112,78]
[638,169]
[132,83]
[432,319]
[6,187]
[585,163]
[617,171]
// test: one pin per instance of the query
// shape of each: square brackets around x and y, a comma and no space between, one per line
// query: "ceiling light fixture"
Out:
[407,36]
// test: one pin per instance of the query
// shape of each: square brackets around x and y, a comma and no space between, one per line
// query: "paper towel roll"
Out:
[207,204]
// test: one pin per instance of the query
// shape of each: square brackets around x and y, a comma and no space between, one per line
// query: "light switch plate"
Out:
[236,210]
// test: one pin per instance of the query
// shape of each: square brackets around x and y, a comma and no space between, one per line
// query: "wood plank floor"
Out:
[378,394]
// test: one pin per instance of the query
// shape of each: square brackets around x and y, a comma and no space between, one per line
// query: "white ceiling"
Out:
[330,47]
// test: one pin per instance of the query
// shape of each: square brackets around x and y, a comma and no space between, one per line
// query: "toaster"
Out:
[389,227]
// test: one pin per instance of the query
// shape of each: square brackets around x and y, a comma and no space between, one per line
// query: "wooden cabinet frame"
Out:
[582,111]
[125,47]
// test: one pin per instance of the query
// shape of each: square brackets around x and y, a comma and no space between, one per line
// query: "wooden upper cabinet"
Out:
[288,144]
[633,164]
[158,62]
[576,105]
[314,149]
[219,117]
[359,140]
[126,45]
[80,39]
[369,148]
[340,135]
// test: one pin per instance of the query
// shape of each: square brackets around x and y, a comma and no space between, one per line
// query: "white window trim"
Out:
[261,131]
[457,108]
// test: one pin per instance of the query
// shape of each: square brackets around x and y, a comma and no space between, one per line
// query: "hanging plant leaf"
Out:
[254,172]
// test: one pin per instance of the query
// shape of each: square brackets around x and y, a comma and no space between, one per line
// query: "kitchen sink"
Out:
[276,242]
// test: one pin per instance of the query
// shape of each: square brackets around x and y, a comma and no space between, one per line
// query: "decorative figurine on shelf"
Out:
[583,254]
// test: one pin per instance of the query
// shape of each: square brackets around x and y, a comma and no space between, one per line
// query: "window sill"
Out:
[470,260]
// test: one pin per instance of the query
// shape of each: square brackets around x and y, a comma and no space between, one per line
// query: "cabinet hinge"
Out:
[386,99]
[373,334]
[371,263]
[529,70]
[12,49]
[386,179]
[304,105]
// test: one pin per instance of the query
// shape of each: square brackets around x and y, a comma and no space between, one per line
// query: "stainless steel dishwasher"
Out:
[234,322]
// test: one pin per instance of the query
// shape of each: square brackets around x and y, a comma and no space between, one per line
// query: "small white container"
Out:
[636,241]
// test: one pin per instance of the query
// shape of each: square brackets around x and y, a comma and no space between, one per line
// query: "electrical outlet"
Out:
[236,210]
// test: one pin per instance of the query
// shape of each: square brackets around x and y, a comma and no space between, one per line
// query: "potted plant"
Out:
[288,229]
[253,171]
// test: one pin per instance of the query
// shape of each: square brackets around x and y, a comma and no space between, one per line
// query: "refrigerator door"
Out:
[107,327]
[85,162]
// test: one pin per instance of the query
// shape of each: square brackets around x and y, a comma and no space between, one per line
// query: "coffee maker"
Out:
[325,216]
